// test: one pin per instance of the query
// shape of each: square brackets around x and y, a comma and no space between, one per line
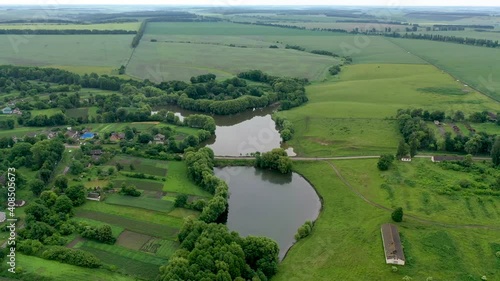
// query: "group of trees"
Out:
[138,36]
[444,38]
[285,127]
[200,169]
[7,124]
[210,251]
[276,159]
[100,233]
[385,161]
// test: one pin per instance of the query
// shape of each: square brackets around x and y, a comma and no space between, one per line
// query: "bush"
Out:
[397,215]
[101,234]
[71,256]
[394,269]
[304,230]
[181,201]
[130,191]
[385,162]
[29,247]
[497,254]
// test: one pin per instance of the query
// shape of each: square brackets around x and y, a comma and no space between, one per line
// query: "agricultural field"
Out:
[351,114]
[346,242]
[472,65]
[74,51]
[104,26]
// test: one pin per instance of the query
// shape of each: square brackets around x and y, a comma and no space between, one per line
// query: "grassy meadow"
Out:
[472,65]
[351,114]
[346,243]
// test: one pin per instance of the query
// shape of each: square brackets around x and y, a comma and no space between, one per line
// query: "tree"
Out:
[403,149]
[36,186]
[48,198]
[495,152]
[63,205]
[77,194]
[145,138]
[61,183]
[385,162]
[397,215]
[413,147]
[76,167]
[181,200]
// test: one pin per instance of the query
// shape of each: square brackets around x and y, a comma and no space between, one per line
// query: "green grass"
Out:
[132,240]
[178,182]
[160,247]
[180,61]
[421,188]
[470,64]
[59,271]
[348,115]
[141,165]
[68,50]
[48,112]
[77,112]
[346,243]
[148,185]
[102,26]
[140,202]
[139,224]
[127,261]
[182,213]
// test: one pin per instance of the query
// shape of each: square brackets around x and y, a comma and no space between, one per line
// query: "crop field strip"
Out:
[137,225]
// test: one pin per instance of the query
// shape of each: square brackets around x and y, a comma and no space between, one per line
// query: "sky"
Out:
[385,3]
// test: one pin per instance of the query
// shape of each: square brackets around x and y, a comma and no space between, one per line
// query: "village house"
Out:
[117,136]
[441,158]
[17,111]
[94,196]
[392,245]
[406,158]
[7,110]
[72,134]
[159,139]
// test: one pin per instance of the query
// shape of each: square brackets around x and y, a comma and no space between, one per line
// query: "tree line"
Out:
[444,38]
[140,32]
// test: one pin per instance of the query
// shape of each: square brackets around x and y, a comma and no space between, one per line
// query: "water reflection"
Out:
[240,134]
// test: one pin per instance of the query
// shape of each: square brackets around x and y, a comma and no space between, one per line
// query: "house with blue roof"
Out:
[7,110]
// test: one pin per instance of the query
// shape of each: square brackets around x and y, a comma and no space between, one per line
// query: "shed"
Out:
[392,245]
[94,196]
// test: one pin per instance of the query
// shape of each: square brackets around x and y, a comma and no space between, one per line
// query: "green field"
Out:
[138,225]
[126,261]
[104,26]
[349,115]
[148,185]
[346,241]
[57,271]
[141,165]
[66,50]
[115,229]
[472,65]
[48,112]
[77,112]
[178,182]
[154,204]
[427,190]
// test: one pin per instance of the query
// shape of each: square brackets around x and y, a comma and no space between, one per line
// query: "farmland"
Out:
[351,115]
[106,26]
[68,51]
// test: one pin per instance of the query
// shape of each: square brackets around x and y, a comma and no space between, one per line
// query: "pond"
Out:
[270,204]
[241,134]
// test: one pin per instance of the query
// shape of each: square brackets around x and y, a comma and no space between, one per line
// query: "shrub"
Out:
[394,269]
[29,247]
[385,162]
[304,230]
[130,191]
[397,215]
[407,278]
[181,201]
[498,254]
[72,256]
